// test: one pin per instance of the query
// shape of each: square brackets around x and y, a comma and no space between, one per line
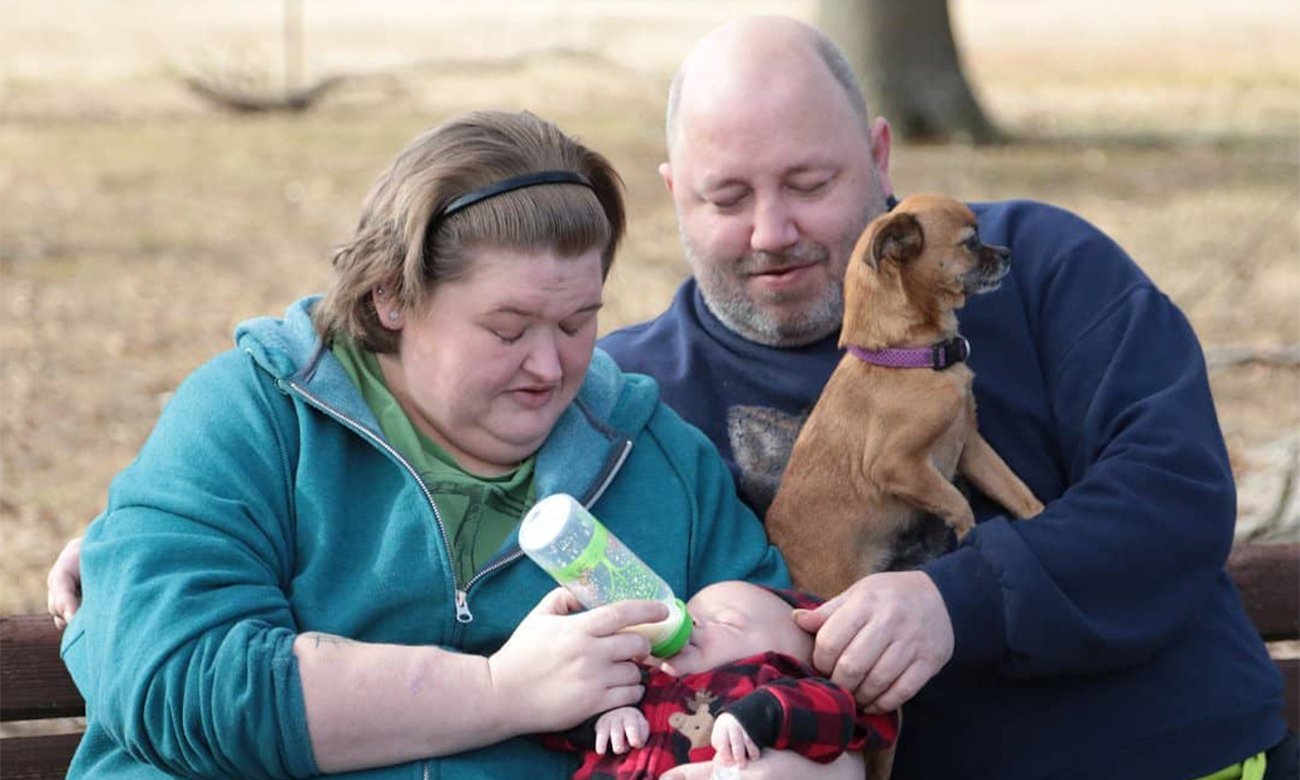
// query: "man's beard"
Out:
[724,293]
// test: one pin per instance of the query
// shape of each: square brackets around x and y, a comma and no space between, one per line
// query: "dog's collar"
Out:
[936,356]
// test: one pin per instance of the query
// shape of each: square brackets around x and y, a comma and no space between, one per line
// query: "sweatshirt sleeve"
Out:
[1118,565]
[185,648]
[797,710]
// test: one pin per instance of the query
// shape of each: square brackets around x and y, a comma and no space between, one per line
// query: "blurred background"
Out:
[170,168]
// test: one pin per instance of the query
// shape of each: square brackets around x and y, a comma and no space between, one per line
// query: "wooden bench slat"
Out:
[44,757]
[34,684]
[1290,668]
[1268,578]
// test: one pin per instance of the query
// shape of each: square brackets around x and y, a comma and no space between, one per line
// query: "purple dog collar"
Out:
[937,356]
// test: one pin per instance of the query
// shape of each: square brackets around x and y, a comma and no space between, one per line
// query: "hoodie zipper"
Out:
[463,614]
[462,596]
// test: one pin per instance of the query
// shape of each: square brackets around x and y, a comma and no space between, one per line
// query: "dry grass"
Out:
[137,226]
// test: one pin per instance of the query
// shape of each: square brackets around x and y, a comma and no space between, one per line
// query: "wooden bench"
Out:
[34,686]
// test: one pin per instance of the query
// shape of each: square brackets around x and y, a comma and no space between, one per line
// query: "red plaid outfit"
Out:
[782,703]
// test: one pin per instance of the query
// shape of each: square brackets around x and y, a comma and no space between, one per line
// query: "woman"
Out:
[312,567]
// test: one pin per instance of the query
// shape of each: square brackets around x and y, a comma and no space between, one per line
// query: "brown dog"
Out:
[894,422]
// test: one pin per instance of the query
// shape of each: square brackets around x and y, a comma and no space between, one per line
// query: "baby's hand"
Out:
[731,742]
[621,729]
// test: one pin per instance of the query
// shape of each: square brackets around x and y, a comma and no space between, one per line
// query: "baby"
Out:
[743,682]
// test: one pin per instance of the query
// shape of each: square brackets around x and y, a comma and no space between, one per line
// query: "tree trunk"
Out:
[293,50]
[904,53]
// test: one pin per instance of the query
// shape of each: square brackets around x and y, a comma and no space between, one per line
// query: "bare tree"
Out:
[293,48]
[905,55]
[226,91]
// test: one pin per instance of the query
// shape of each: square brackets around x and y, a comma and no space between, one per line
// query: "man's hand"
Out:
[63,584]
[621,730]
[883,638]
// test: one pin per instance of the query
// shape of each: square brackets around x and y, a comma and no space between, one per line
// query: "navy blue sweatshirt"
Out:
[1103,639]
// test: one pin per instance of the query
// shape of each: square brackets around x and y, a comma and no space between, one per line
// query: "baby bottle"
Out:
[572,546]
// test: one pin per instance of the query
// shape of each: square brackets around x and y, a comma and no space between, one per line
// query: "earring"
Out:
[381,292]
[393,315]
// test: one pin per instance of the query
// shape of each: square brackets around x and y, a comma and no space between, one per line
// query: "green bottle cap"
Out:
[677,640]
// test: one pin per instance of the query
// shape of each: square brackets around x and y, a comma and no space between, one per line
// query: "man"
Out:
[1102,640]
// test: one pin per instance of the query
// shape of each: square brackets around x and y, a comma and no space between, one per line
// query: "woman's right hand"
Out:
[559,668]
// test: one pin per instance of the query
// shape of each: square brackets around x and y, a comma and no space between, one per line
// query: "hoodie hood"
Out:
[584,450]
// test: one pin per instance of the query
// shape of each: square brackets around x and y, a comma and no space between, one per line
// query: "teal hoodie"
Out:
[266,502]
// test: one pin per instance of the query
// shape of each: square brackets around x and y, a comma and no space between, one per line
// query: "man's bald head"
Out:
[745,55]
[774,170]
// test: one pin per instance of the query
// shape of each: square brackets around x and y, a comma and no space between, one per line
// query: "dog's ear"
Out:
[897,238]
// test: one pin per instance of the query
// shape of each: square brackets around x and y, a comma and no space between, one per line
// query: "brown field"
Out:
[138,225]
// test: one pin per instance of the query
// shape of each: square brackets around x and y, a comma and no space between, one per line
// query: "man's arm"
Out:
[1132,549]
[63,584]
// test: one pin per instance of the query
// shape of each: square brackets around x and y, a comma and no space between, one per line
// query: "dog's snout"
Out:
[1000,252]
[993,265]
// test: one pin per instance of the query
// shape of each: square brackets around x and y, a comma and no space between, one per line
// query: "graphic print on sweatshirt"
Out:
[761,439]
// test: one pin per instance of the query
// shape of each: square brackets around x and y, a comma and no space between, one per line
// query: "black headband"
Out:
[509,185]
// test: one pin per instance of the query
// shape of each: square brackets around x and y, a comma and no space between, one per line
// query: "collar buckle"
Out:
[948,353]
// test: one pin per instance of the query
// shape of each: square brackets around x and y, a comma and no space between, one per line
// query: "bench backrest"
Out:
[35,686]
[1268,579]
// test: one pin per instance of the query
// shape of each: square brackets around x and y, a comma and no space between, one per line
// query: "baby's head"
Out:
[734,620]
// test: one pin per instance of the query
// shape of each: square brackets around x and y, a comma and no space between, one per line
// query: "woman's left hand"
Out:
[778,764]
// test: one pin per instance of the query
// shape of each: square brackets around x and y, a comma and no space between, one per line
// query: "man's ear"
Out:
[881,139]
[898,237]
[666,173]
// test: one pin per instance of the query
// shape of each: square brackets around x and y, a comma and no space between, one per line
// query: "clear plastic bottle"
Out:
[572,546]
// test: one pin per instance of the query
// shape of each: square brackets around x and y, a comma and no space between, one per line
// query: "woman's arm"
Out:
[371,704]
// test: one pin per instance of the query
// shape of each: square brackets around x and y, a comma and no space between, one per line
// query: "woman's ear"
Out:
[387,308]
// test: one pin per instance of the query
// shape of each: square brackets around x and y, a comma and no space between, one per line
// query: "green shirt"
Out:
[478,513]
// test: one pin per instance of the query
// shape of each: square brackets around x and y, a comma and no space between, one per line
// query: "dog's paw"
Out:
[922,540]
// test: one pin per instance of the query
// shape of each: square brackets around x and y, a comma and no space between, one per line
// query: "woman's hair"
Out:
[404,244]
